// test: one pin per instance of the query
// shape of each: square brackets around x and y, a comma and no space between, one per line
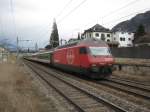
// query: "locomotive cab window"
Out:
[83,50]
[98,51]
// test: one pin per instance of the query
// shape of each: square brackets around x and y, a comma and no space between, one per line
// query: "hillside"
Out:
[132,24]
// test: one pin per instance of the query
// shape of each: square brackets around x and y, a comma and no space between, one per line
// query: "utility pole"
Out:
[18,46]
[36,47]
[61,41]
[5,51]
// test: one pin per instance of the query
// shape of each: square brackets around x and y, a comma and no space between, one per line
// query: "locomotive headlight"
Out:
[94,68]
[93,65]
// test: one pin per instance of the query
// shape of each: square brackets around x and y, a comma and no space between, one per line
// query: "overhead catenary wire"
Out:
[133,13]
[13,17]
[114,11]
[1,28]
[75,8]
[68,13]
[120,8]
[64,8]
[126,5]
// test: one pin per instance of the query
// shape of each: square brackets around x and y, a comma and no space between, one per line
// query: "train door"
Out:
[83,57]
[51,58]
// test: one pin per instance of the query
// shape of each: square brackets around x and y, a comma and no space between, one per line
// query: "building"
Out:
[99,32]
[116,39]
[3,54]
[72,40]
[1,49]
[124,39]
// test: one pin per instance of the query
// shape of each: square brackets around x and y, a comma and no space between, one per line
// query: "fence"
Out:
[132,52]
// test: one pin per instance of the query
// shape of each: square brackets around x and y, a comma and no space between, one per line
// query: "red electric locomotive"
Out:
[89,57]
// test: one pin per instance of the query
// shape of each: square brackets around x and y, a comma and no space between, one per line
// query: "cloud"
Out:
[33,18]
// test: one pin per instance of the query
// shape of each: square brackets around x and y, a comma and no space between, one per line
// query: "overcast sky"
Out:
[33,19]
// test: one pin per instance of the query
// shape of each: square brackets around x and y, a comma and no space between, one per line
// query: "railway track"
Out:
[138,90]
[83,98]
[133,83]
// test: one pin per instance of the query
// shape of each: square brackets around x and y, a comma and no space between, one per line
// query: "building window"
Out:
[122,39]
[114,38]
[129,45]
[108,35]
[108,40]
[102,37]
[129,39]
[97,34]
[90,35]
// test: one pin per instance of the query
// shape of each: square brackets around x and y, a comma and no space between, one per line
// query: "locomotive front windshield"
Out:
[97,51]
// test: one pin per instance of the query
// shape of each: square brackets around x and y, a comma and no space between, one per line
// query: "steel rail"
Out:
[100,100]
[128,84]
[140,92]
[57,90]
[138,84]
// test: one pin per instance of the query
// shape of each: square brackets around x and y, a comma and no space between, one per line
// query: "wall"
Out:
[93,34]
[132,52]
[126,36]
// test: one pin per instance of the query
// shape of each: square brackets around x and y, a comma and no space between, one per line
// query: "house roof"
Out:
[97,28]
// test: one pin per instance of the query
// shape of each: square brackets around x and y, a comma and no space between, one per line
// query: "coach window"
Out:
[83,50]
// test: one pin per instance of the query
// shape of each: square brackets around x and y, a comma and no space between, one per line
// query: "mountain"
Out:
[132,24]
[9,46]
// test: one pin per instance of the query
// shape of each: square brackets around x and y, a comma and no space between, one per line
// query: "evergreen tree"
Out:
[48,47]
[54,38]
[79,38]
[139,32]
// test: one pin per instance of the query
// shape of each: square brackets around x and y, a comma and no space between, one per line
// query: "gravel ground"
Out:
[20,91]
[145,79]
[135,73]
[130,106]
[61,103]
[134,61]
[18,94]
